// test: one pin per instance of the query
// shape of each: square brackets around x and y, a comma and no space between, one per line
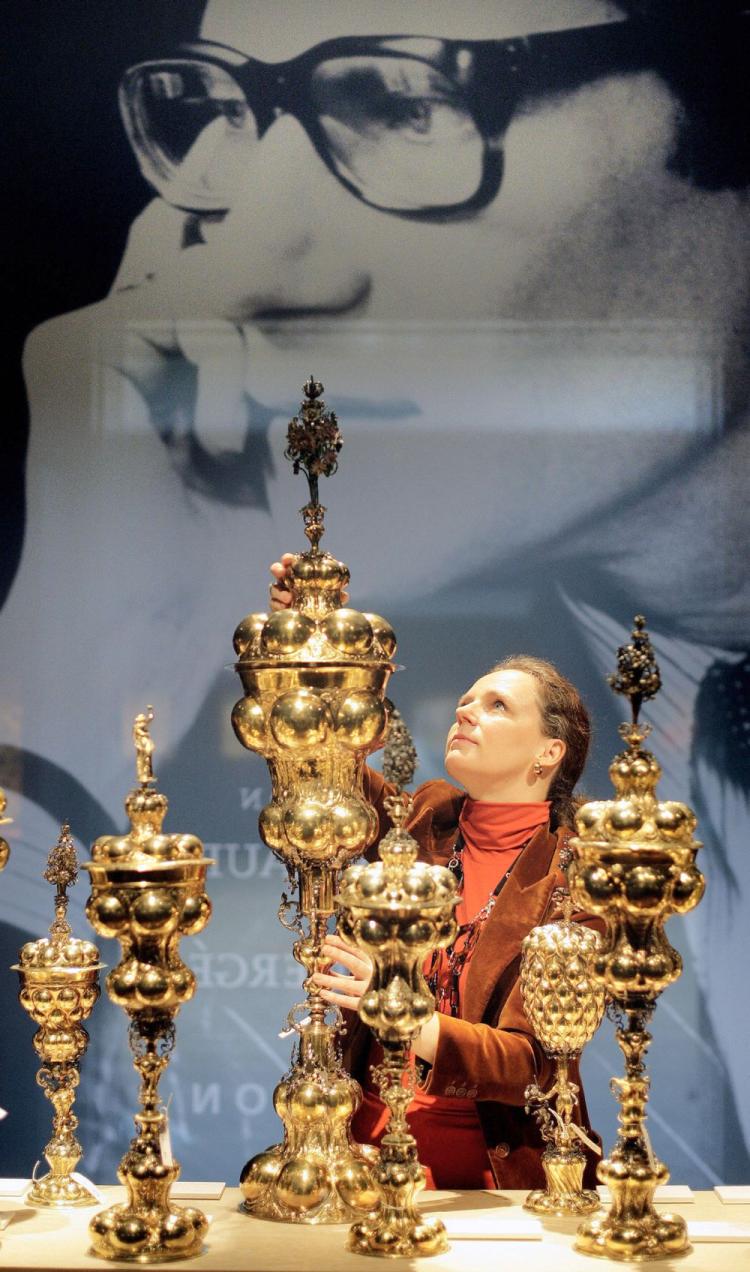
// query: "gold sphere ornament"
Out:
[148,891]
[565,1004]
[634,864]
[59,984]
[313,679]
[397,911]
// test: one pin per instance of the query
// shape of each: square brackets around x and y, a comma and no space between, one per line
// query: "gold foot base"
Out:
[649,1236]
[309,1187]
[60,1191]
[542,1202]
[564,1193]
[147,1236]
[398,1237]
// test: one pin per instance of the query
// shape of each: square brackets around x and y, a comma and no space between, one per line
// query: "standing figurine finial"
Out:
[144,746]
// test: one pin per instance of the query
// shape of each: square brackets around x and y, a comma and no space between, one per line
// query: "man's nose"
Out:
[286,167]
[289,242]
[465,713]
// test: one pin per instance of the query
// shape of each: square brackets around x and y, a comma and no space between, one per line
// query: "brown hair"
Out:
[563,716]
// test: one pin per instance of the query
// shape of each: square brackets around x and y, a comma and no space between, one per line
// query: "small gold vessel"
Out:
[397,910]
[634,863]
[565,1004]
[314,679]
[148,891]
[59,977]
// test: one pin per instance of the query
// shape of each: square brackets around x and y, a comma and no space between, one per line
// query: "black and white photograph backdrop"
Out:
[511,238]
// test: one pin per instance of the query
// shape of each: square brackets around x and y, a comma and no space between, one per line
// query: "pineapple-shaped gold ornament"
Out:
[565,1005]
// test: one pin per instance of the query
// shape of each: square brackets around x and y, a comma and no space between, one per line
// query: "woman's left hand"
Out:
[344,989]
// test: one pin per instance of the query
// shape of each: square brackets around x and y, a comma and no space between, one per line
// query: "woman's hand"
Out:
[281,596]
[344,989]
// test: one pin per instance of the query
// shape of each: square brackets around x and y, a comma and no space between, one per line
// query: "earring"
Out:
[538,770]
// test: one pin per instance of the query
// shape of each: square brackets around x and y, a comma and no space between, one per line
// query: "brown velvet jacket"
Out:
[490,1055]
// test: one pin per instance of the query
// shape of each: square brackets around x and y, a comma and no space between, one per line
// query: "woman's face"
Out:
[498,736]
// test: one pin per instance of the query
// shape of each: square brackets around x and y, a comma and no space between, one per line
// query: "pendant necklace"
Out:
[457,959]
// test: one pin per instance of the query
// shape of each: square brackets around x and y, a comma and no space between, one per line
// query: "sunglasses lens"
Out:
[399,131]
[191,128]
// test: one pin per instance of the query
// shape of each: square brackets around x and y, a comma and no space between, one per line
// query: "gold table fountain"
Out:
[565,1004]
[59,978]
[397,910]
[634,863]
[148,891]
[314,678]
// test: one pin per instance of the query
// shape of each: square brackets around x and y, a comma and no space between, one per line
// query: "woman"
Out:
[517,747]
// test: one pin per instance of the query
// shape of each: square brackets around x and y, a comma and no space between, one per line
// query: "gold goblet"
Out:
[314,678]
[565,1005]
[634,863]
[397,910]
[59,978]
[148,890]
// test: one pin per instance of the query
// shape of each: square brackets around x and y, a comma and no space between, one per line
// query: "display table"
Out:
[236,1242]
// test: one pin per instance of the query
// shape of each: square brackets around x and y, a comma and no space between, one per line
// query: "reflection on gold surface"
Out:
[4,821]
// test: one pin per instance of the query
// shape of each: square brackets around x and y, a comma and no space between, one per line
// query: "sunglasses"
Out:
[409,125]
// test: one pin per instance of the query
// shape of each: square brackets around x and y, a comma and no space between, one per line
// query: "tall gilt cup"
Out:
[148,890]
[634,863]
[565,1004]
[397,910]
[59,977]
[314,678]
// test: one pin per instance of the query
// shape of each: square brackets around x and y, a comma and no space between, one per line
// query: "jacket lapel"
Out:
[520,906]
[434,824]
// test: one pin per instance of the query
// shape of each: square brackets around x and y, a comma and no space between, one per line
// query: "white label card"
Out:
[165,1139]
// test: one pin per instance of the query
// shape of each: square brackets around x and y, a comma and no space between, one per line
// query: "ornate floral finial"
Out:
[637,674]
[62,862]
[144,746]
[399,765]
[62,870]
[313,444]
[399,753]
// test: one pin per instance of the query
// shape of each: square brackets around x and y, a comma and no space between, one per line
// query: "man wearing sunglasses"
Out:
[509,237]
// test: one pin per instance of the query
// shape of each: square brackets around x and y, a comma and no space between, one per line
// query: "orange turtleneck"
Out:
[493,836]
[449,1137]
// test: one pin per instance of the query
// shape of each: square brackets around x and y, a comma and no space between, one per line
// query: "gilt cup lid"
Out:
[145,845]
[318,627]
[60,952]
[636,814]
[398,882]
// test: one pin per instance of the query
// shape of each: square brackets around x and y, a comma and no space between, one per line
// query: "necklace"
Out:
[456,958]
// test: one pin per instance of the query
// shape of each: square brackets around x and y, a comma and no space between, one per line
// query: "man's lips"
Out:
[461,737]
